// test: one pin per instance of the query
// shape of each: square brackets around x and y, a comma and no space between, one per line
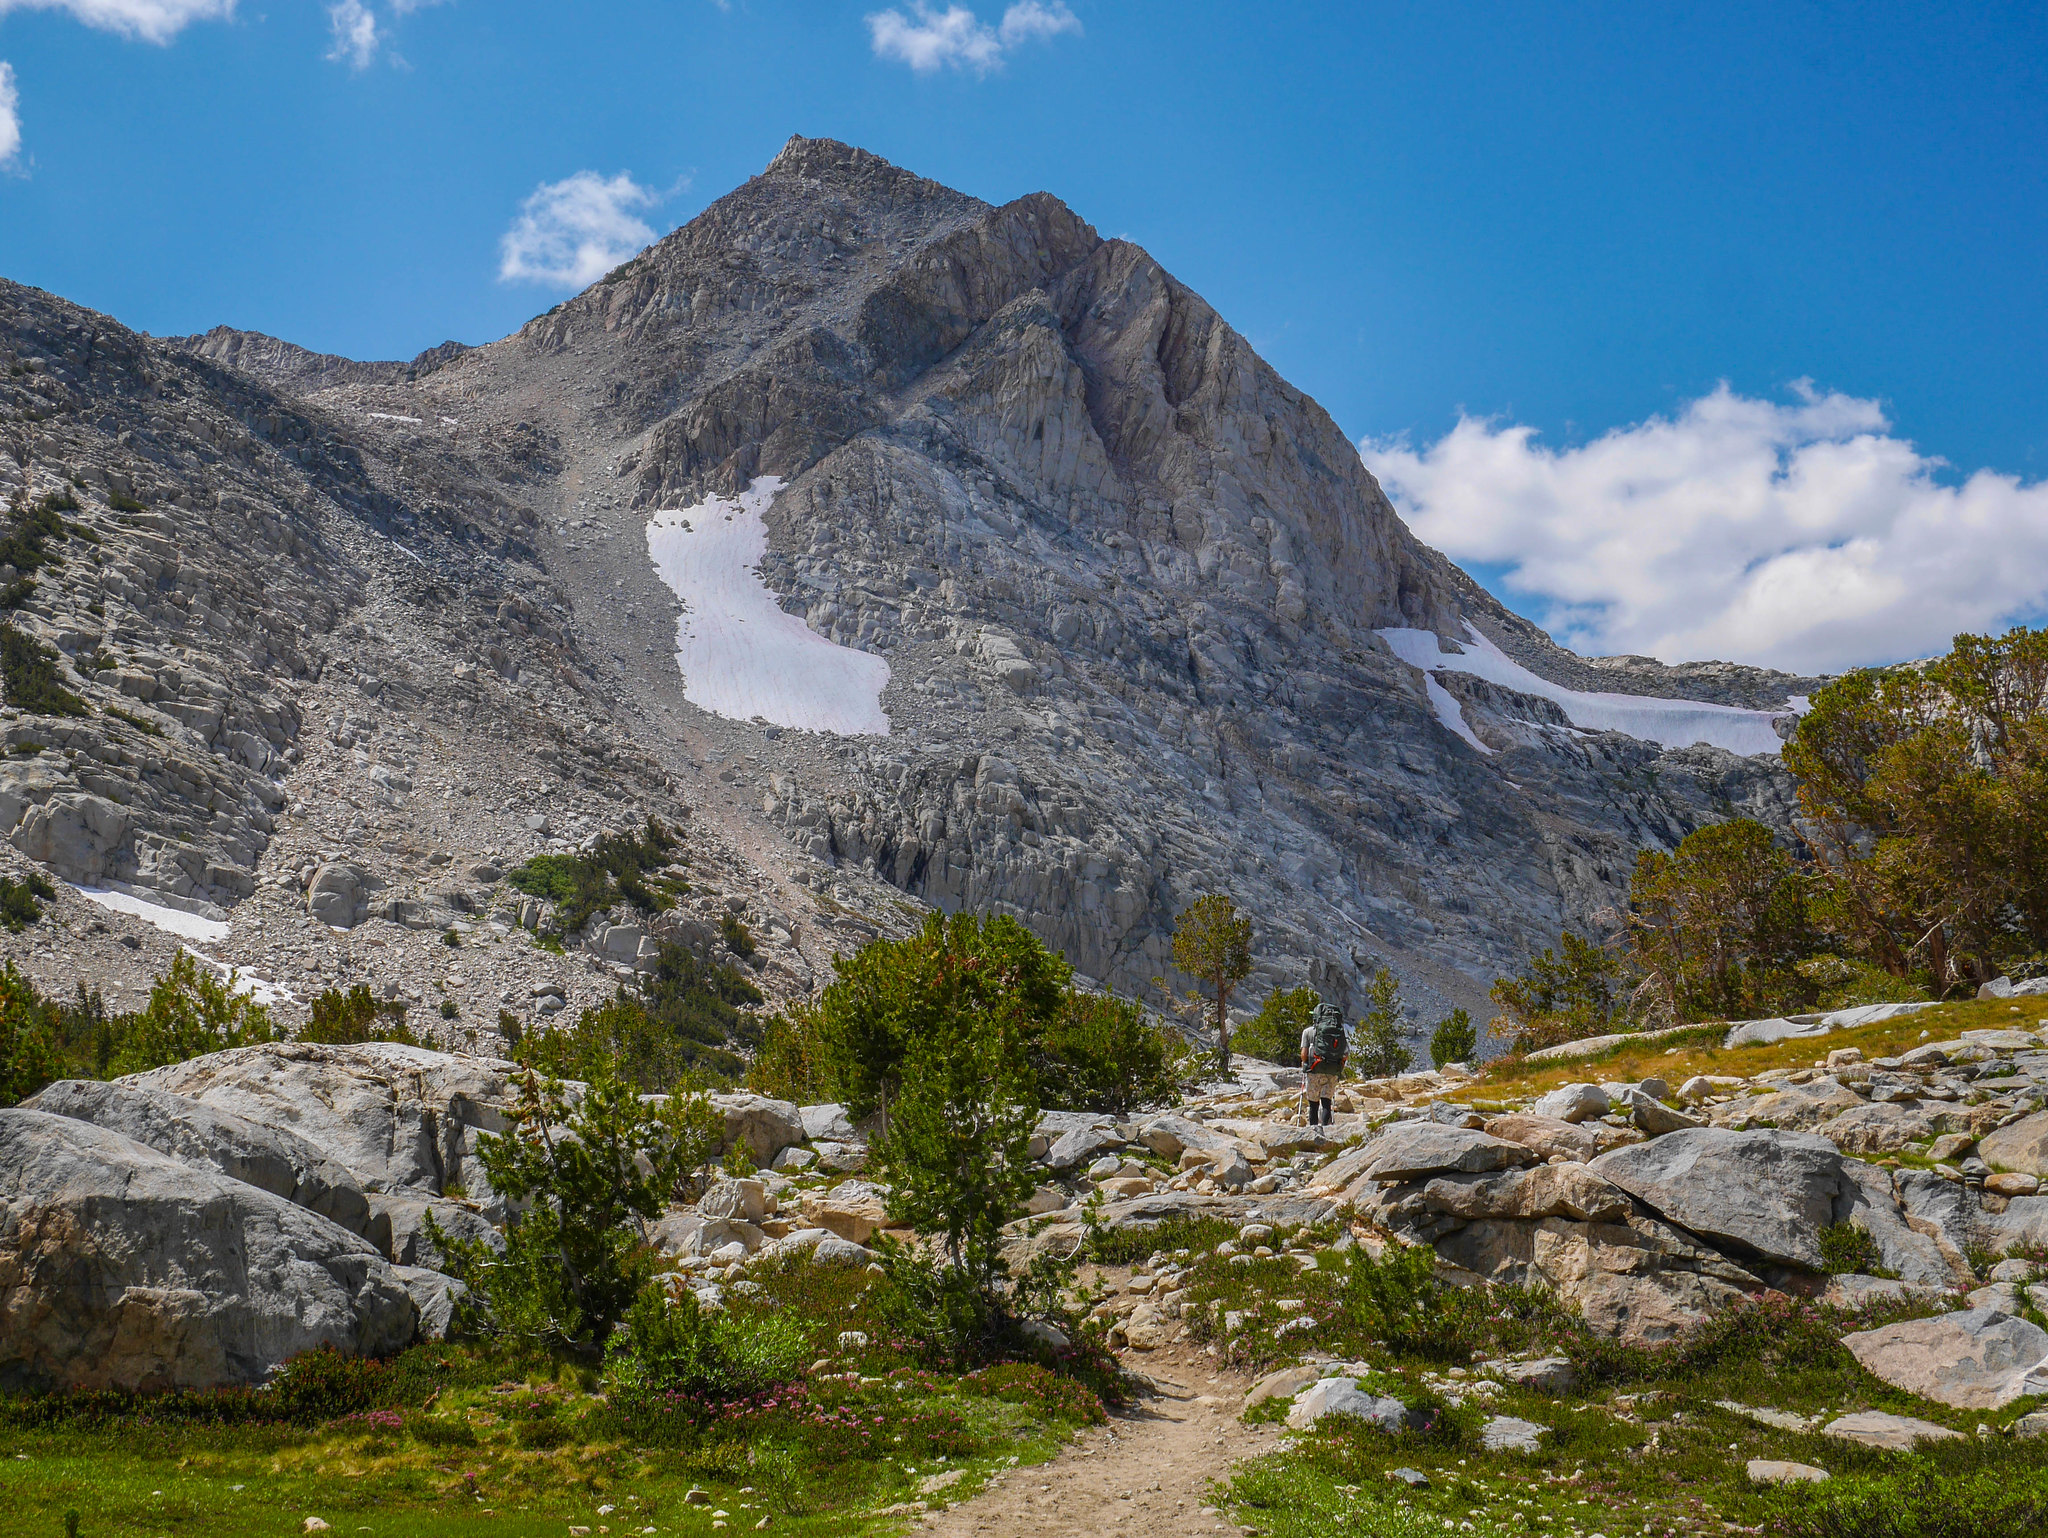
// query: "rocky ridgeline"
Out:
[397,620]
[272,1198]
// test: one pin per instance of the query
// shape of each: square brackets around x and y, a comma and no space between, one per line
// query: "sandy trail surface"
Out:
[1146,1474]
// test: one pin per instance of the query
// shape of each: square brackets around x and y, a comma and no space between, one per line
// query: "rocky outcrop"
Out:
[1768,1194]
[198,1134]
[398,1118]
[121,1267]
[1977,1359]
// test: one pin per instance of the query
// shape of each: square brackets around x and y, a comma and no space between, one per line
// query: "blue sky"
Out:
[1567,223]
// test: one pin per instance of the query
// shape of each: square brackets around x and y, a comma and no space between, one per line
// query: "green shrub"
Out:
[1846,1249]
[1274,1033]
[29,671]
[1455,1040]
[21,901]
[594,1173]
[1129,1246]
[346,1019]
[738,938]
[1399,1301]
[322,1385]
[795,1060]
[1376,1048]
[1102,1054]
[668,1349]
[190,1013]
[617,868]
[683,1023]
[1918,1501]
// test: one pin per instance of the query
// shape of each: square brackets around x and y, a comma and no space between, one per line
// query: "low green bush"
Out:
[617,868]
[1924,1501]
[347,1019]
[21,901]
[28,671]
[670,1357]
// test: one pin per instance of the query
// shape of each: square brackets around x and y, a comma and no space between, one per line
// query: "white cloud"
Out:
[10,115]
[155,21]
[956,38]
[355,34]
[1801,535]
[572,232]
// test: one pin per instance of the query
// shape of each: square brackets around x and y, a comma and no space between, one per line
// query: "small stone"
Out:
[1777,1471]
[1415,1479]
[1506,1434]
[2012,1183]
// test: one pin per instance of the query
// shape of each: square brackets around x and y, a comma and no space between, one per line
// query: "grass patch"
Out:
[450,1440]
[1679,1058]
[146,727]
[1646,1448]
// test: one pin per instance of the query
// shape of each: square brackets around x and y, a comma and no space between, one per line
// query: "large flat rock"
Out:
[1412,1150]
[1976,1359]
[270,1158]
[397,1117]
[2023,1146]
[1766,1193]
[121,1267]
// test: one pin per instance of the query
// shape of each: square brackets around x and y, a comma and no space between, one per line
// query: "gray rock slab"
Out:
[192,1132]
[2021,1146]
[1889,1433]
[827,1123]
[1411,1150]
[408,1241]
[1778,1471]
[1768,1193]
[1547,1136]
[129,1269]
[1572,1103]
[1506,1434]
[435,1296]
[395,1116]
[766,1126]
[1343,1396]
[1974,1359]
[1081,1145]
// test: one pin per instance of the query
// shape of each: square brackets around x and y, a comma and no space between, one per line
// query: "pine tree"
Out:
[1212,942]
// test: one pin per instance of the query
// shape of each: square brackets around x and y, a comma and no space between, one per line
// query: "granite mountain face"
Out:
[1143,609]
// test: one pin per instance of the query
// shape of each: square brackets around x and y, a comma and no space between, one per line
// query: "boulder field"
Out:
[199,1224]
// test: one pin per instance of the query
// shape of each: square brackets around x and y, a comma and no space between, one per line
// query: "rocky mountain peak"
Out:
[1150,627]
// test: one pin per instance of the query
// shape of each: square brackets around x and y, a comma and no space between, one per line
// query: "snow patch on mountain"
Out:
[1648,718]
[741,656]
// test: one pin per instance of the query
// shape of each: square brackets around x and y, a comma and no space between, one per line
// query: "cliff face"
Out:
[1131,588]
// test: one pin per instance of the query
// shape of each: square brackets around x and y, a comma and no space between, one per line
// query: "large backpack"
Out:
[1326,1050]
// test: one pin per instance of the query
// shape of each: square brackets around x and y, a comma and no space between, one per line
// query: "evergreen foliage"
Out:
[1274,1034]
[1377,1051]
[1103,1054]
[28,670]
[1213,942]
[593,1170]
[1570,991]
[1455,1039]
[618,868]
[21,901]
[346,1019]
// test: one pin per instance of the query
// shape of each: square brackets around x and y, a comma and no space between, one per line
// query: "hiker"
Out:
[1322,1059]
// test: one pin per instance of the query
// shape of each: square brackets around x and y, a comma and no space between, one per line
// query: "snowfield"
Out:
[741,656]
[1669,723]
[186,926]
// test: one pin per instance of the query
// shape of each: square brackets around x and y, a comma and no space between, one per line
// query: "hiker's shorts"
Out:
[1321,1086]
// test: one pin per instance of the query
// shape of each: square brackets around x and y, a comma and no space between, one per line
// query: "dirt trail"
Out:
[1146,1474]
